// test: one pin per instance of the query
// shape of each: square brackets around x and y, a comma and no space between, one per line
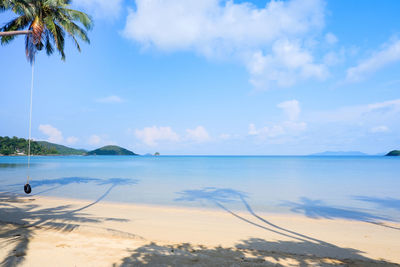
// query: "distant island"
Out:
[393,153]
[111,150]
[340,153]
[19,147]
[60,149]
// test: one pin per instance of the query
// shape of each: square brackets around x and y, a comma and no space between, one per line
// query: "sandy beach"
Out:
[43,231]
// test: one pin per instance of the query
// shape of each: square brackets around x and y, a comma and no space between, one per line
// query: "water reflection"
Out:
[14,165]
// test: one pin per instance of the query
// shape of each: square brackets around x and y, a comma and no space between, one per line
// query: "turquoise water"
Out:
[356,188]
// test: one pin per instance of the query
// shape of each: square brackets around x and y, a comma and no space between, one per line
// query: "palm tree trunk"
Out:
[14,33]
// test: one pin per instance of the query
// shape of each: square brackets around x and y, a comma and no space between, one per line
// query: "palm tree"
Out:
[45,24]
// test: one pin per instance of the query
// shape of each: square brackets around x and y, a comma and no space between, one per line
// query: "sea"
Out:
[363,188]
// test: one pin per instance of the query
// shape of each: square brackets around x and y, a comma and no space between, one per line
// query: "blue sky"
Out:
[216,77]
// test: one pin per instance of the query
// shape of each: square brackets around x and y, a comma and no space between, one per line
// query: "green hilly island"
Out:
[62,150]
[393,153]
[111,150]
[19,146]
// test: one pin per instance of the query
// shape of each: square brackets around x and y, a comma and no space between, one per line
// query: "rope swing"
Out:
[27,187]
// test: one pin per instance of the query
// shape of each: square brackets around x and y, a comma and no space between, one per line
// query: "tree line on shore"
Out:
[19,146]
[14,146]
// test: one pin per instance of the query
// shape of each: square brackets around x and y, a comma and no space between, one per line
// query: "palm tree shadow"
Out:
[388,203]
[218,196]
[52,183]
[113,182]
[250,252]
[17,224]
[318,209]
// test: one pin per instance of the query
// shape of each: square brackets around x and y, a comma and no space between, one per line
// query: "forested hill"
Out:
[63,150]
[111,150]
[19,146]
[393,153]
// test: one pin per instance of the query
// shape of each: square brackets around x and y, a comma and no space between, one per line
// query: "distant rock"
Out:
[393,153]
[112,150]
[157,154]
[340,153]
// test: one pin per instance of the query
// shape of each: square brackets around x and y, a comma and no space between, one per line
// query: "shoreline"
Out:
[137,233]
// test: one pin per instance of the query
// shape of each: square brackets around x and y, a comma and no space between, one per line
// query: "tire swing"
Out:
[27,186]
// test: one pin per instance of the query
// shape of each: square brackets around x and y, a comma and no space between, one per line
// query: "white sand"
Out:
[45,231]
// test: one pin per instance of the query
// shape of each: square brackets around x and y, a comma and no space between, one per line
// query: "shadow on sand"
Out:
[250,252]
[388,203]
[219,196]
[304,247]
[18,222]
[318,209]
[53,184]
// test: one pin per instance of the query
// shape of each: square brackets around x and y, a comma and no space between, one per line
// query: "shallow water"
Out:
[356,188]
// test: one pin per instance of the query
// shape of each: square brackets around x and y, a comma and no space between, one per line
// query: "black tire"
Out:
[27,188]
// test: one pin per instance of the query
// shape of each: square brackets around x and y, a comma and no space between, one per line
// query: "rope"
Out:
[30,123]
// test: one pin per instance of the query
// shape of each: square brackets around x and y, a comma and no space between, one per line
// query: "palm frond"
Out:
[49,22]
[81,17]
[30,48]
[49,46]
[18,23]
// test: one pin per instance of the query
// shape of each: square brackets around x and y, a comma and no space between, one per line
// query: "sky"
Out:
[214,77]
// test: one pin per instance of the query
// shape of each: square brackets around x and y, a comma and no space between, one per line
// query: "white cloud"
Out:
[286,128]
[291,109]
[376,112]
[199,134]
[379,129]
[110,99]
[94,139]
[388,54]
[290,127]
[393,105]
[330,38]
[270,41]
[98,140]
[225,136]
[54,135]
[72,140]
[335,57]
[152,135]
[101,8]
[285,65]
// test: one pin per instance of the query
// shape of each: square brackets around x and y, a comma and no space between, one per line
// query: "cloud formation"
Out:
[94,140]
[290,127]
[101,8]
[375,112]
[54,135]
[72,140]
[152,135]
[97,140]
[270,41]
[388,54]
[330,38]
[110,99]
[291,109]
[198,134]
[379,129]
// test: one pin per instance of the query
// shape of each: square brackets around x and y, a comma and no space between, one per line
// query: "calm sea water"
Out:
[357,188]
